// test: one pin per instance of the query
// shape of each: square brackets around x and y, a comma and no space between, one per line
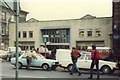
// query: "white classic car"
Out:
[40,62]
[84,62]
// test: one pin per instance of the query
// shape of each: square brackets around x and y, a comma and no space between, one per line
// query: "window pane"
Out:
[81,33]
[30,34]
[19,35]
[98,33]
[24,34]
[89,33]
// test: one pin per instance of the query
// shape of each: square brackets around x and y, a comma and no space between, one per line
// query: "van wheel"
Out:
[106,70]
[45,66]
[53,68]
[70,67]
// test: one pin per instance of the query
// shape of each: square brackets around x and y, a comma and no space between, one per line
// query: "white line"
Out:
[21,76]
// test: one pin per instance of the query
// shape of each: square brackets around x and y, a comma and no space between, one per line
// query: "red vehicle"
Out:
[104,51]
[44,52]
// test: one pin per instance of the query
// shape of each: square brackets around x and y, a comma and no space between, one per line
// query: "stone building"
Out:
[116,25]
[81,33]
[6,17]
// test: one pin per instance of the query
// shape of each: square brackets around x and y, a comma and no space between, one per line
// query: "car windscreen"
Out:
[82,57]
[37,55]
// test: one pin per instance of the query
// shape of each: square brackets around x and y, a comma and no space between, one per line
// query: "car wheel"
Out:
[45,66]
[70,67]
[9,59]
[19,65]
[106,69]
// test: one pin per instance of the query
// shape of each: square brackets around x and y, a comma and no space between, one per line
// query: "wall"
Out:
[74,24]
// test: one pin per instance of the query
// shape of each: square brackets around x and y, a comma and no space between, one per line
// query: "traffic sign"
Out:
[10,3]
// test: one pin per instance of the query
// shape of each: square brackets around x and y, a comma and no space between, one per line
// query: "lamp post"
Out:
[16,8]
[45,45]
[45,42]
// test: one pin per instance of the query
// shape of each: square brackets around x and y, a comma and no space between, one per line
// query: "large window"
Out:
[56,35]
[81,32]
[89,32]
[30,34]
[24,34]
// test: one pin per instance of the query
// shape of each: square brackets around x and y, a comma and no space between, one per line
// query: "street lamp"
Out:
[45,42]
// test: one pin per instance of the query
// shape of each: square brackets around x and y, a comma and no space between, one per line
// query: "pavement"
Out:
[117,72]
[1,60]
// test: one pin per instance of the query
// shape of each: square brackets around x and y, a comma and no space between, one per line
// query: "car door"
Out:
[23,60]
[84,62]
[38,62]
[81,61]
[87,62]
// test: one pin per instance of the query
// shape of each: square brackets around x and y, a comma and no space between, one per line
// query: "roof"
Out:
[24,11]
[88,16]
[33,20]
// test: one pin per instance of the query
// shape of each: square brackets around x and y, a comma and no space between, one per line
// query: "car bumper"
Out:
[56,65]
[116,68]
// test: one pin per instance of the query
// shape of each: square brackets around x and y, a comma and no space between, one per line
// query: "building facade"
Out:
[116,25]
[6,17]
[64,34]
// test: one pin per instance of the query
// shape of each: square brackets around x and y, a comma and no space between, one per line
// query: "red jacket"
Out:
[75,52]
[97,54]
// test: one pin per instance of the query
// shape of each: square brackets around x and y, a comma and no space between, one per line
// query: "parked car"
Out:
[3,54]
[84,62]
[11,51]
[40,62]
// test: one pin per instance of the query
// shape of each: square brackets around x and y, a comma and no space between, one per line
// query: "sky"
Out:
[66,9]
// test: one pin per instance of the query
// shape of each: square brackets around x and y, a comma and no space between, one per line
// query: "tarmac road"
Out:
[8,71]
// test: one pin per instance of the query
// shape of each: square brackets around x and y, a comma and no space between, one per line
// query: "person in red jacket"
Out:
[74,56]
[95,56]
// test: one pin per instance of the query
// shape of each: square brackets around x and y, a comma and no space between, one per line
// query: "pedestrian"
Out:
[95,56]
[29,56]
[74,56]
[111,56]
[37,50]
[53,53]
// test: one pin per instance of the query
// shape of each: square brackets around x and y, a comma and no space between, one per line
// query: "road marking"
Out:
[21,76]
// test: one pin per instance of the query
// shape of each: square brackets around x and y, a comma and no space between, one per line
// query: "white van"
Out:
[64,57]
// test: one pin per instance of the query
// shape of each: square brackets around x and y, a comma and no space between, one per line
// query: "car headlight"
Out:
[53,63]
